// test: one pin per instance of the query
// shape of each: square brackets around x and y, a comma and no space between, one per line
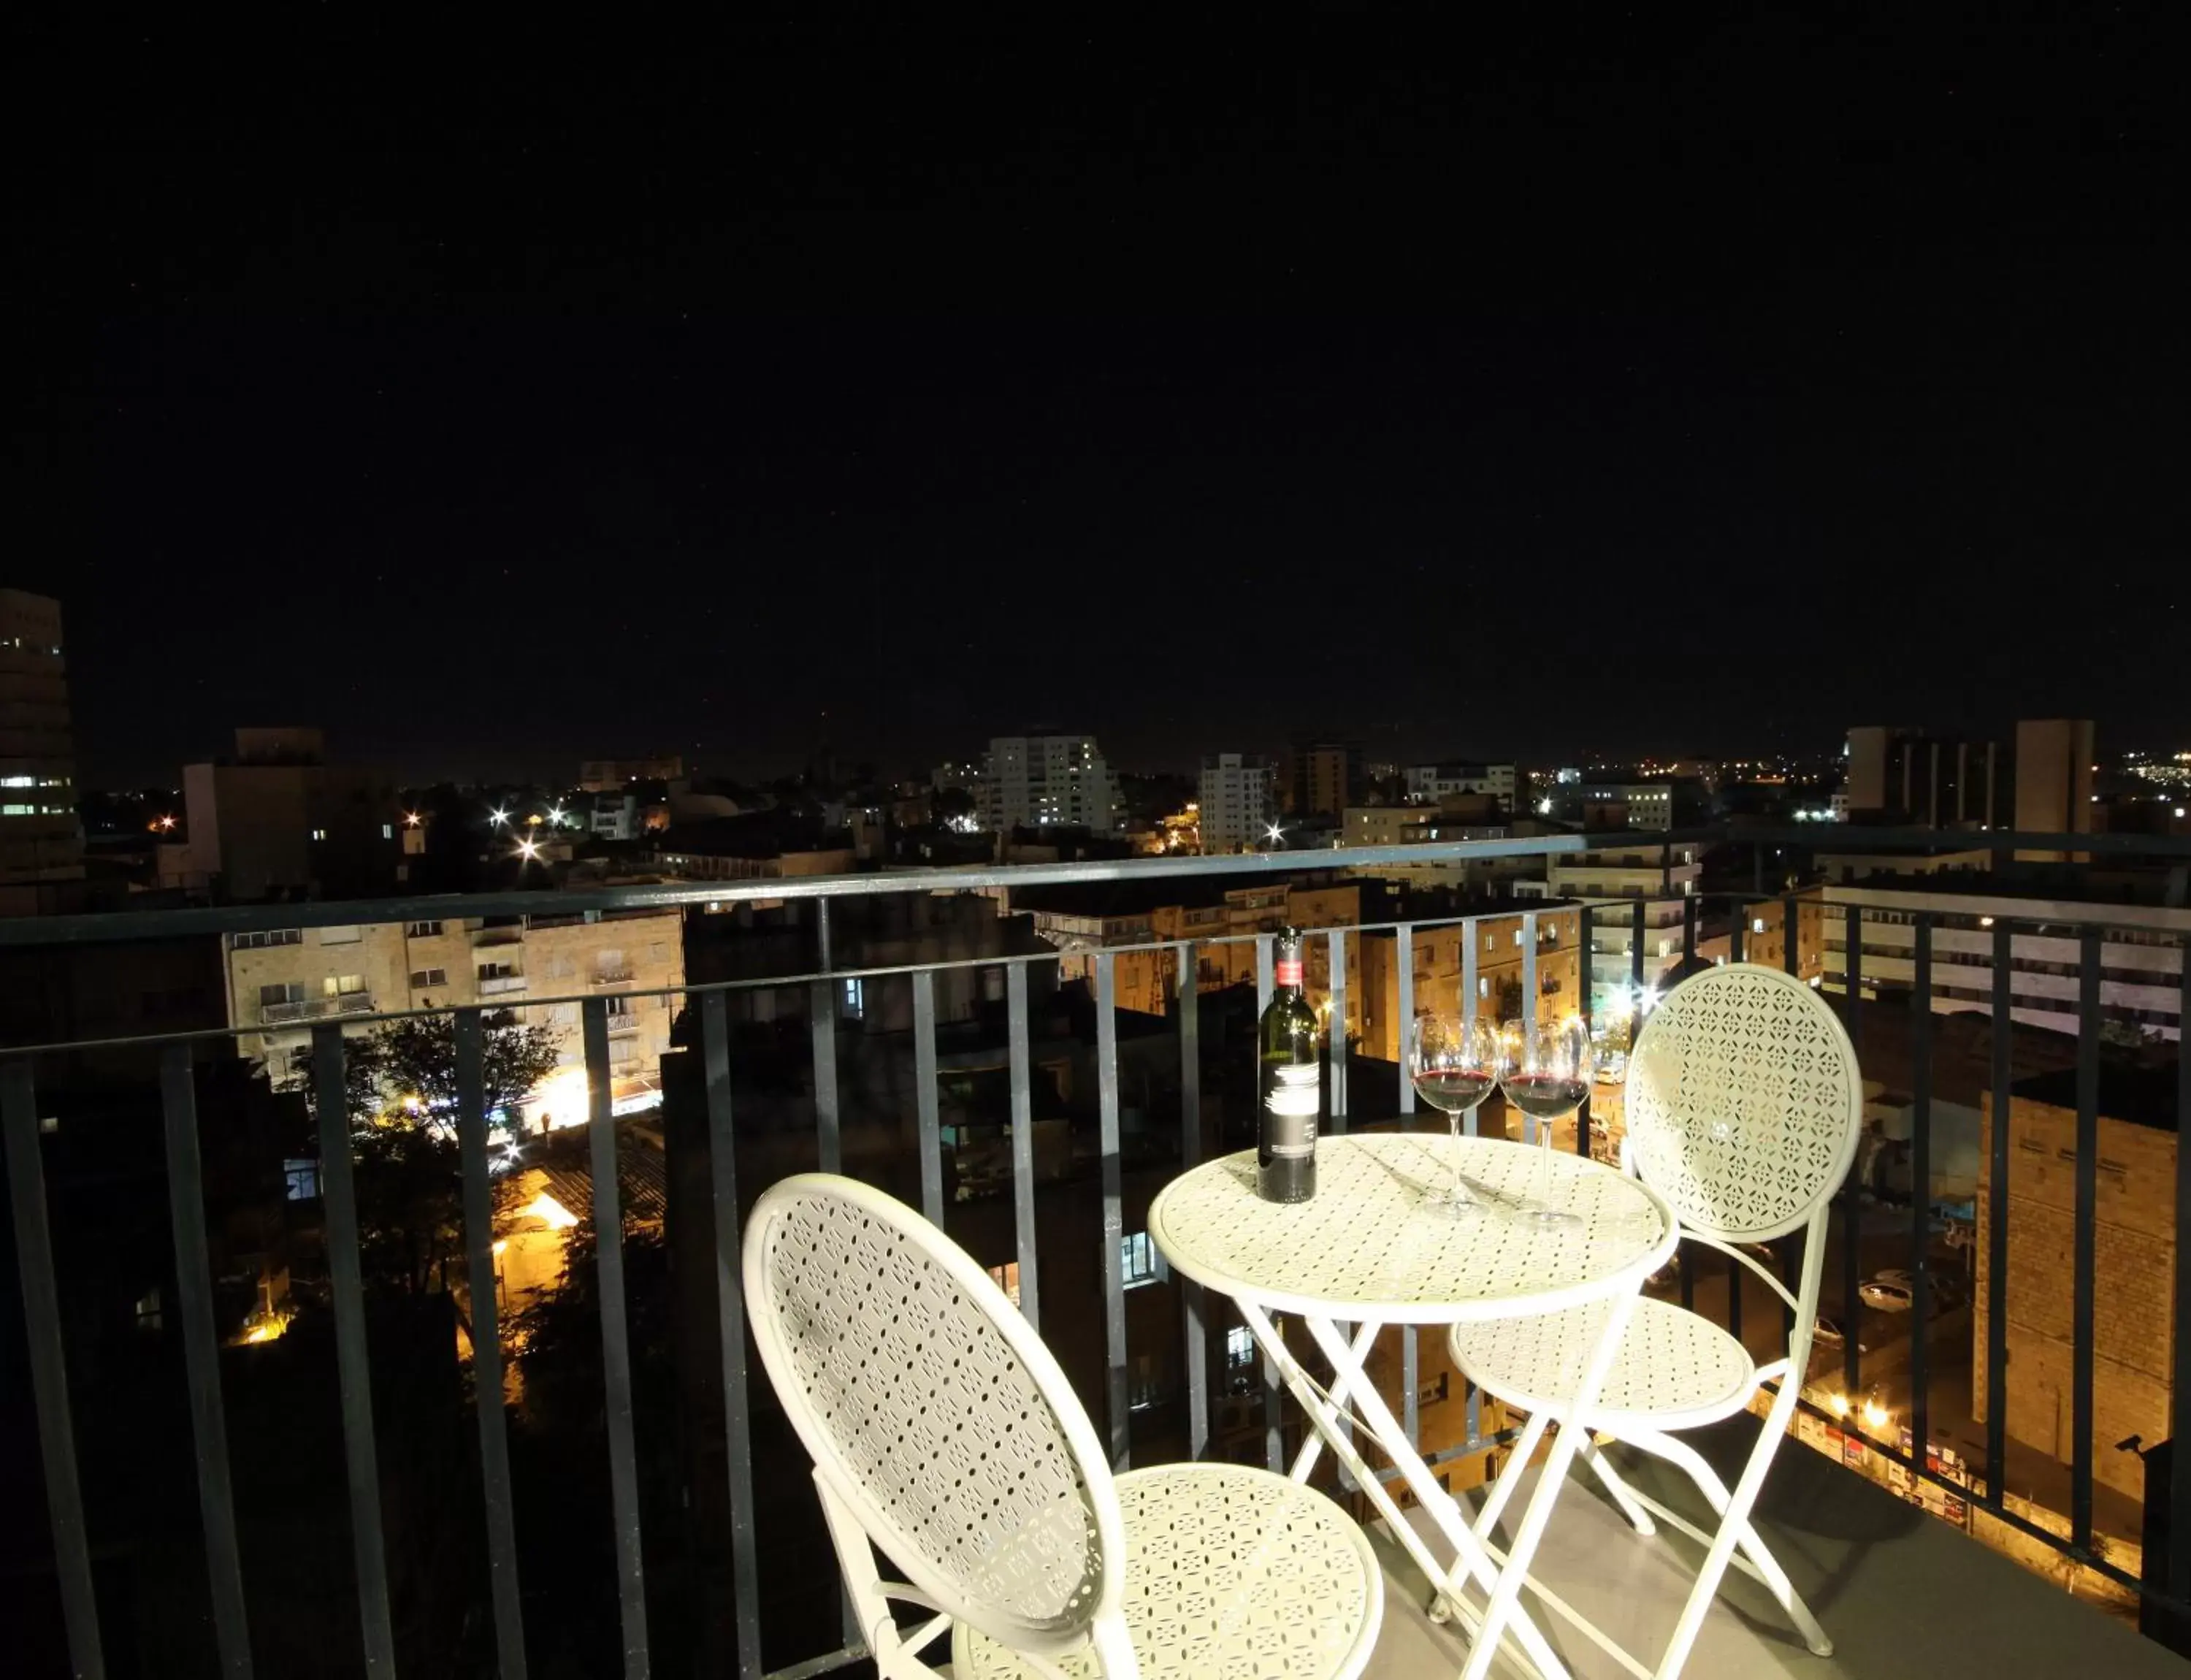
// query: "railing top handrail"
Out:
[123,925]
[127,925]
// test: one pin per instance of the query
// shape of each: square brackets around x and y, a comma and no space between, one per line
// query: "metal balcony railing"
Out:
[316,1008]
[496,985]
[1086,1293]
[612,977]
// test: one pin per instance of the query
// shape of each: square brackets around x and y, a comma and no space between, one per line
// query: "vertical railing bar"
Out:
[1735,1272]
[1267,970]
[2179,1484]
[1635,936]
[1736,944]
[828,1135]
[1015,1013]
[1474,1421]
[924,1096]
[470,1039]
[339,1191]
[1920,1180]
[1791,958]
[1529,1124]
[1410,1386]
[1586,981]
[2085,1264]
[1998,1158]
[1851,1194]
[1471,1005]
[1404,955]
[1335,1025]
[1274,1446]
[731,1326]
[179,1104]
[1188,997]
[616,1337]
[1118,1419]
[42,1322]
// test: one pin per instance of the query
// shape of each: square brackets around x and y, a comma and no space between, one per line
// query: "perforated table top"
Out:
[1368,1246]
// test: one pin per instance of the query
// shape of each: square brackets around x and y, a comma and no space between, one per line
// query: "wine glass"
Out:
[1453,1060]
[1544,1071]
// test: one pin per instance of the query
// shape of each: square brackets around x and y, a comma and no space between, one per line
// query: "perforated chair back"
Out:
[1743,1103]
[934,1411]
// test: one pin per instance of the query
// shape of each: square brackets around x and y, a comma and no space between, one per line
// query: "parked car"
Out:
[1890,1292]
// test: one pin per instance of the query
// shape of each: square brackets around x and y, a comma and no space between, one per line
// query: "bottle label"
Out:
[1290,971]
[1292,1105]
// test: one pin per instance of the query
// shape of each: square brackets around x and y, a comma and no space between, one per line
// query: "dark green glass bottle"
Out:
[1290,1088]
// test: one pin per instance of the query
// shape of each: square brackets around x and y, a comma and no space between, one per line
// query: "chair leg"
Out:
[1594,1455]
[894,1658]
[1747,1537]
[1734,1531]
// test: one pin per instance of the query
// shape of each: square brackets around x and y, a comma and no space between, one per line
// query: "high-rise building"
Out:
[1238,801]
[2054,766]
[1322,778]
[1901,775]
[1046,781]
[41,840]
[278,819]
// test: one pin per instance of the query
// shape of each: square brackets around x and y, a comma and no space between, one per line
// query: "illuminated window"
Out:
[1137,1257]
[855,998]
[300,1180]
[1007,1279]
[1239,1349]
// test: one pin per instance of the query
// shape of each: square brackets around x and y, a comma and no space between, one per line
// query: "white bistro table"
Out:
[1368,1251]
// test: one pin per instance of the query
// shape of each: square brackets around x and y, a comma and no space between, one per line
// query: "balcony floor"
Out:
[1901,1594]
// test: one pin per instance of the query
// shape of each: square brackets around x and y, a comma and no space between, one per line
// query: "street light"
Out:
[527,850]
[499,817]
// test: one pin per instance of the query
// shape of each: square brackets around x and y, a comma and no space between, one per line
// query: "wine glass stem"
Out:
[1453,1126]
[1544,1163]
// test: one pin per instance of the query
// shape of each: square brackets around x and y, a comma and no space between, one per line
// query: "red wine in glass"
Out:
[1545,1072]
[1453,1060]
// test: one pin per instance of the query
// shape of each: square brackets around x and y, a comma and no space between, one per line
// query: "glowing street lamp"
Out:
[528,850]
[410,819]
[556,814]
[498,818]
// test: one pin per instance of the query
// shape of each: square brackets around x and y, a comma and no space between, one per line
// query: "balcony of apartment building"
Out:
[320,1483]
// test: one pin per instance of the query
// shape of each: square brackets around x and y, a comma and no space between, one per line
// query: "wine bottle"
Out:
[1290,1087]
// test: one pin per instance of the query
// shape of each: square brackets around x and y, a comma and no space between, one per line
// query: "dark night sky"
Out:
[1697,386]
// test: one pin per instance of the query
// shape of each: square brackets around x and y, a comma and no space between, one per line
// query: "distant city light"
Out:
[499,816]
[1544,806]
[166,823]
[410,819]
[528,849]
[554,813]
[1274,833]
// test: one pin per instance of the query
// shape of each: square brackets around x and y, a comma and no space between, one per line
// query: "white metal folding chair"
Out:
[1743,1106]
[944,1435]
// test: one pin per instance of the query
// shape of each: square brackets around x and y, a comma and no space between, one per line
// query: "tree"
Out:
[401,1091]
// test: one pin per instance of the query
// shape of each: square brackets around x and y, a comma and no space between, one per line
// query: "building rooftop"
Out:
[2144,1093]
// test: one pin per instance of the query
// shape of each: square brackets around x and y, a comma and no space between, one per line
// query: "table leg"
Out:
[1429,1495]
[1305,1460]
[1505,1603]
